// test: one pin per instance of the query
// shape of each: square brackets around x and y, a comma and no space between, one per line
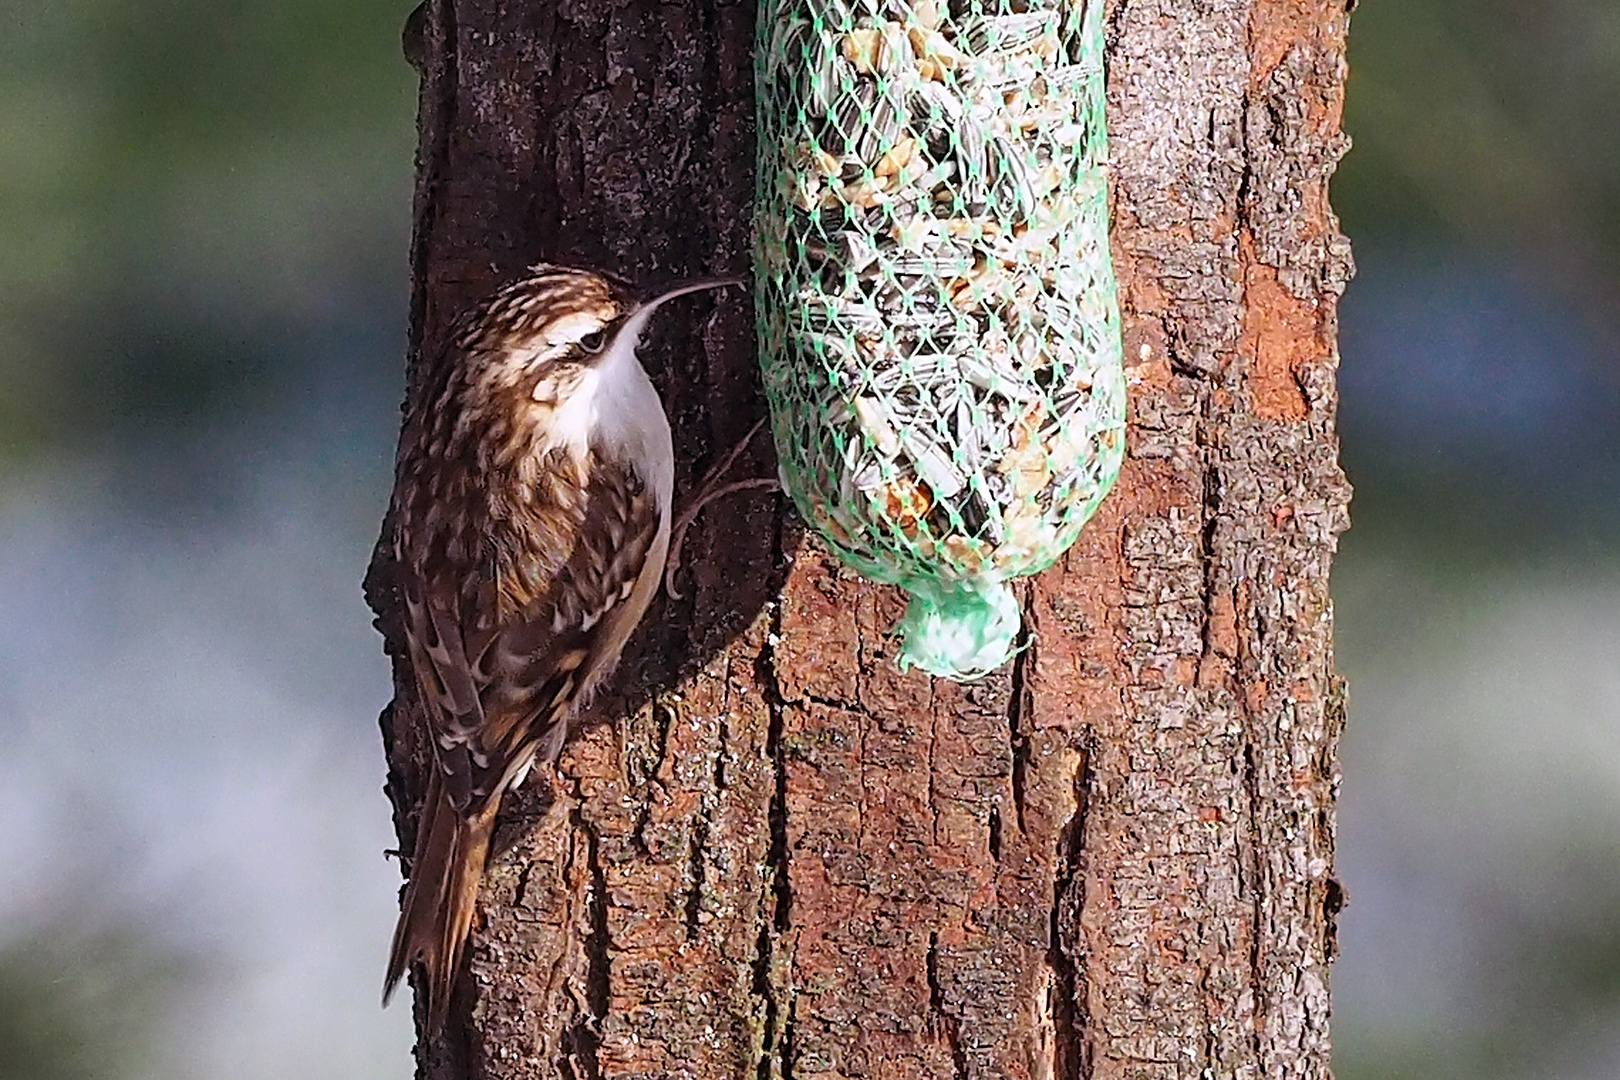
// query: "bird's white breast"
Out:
[615,411]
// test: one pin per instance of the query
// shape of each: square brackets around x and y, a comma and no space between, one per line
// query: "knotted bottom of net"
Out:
[960,630]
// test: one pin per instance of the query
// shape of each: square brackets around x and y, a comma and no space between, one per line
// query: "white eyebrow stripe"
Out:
[567,329]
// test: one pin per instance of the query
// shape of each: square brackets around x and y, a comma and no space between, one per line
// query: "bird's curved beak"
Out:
[690,287]
[630,330]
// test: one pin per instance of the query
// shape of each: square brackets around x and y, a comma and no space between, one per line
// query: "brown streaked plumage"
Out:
[531,515]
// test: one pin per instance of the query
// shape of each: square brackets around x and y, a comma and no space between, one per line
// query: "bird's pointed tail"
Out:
[437,915]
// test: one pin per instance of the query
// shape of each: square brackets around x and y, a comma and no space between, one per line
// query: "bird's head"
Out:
[558,316]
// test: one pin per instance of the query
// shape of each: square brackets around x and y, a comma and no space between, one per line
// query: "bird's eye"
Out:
[592,342]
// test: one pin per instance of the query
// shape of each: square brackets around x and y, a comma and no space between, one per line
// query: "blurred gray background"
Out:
[204,213]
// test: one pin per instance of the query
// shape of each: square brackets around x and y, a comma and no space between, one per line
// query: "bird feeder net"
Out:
[938,324]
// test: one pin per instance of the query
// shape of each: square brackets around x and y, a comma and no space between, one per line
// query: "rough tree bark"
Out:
[786,859]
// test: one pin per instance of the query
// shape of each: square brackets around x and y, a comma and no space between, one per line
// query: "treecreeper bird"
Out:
[531,511]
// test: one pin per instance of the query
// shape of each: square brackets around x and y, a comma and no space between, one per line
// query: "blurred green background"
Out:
[204,214]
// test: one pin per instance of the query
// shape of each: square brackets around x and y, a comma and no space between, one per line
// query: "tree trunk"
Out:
[784,858]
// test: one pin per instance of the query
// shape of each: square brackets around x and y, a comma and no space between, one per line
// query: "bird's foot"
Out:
[708,490]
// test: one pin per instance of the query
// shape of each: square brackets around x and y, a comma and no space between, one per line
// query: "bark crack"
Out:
[1016,710]
[777,1043]
[769,1044]
[949,1024]
[1208,534]
[1065,947]
[696,871]
[582,1039]
[1249,872]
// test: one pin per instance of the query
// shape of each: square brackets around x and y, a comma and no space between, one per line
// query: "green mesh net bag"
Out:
[938,324]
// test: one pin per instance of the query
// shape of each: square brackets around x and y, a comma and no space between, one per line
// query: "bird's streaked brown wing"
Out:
[510,656]
[503,653]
